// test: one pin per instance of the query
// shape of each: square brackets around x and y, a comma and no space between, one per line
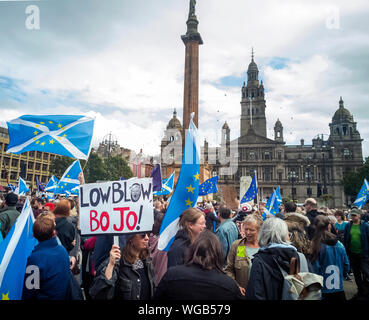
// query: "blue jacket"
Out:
[227,233]
[52,261]
[364,230]
[332,265]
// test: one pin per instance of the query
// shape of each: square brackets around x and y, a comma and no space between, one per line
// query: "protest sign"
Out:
[116,207]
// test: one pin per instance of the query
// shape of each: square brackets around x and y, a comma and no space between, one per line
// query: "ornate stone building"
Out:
[28,165]
[301,171]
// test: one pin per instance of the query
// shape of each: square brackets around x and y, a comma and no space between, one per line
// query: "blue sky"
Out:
[123,61]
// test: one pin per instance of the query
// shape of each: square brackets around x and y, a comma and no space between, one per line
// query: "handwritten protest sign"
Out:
[116,207]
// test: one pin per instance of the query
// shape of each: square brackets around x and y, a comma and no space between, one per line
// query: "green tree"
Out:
[59,164]
[353,181]
[117,167]
[95,169]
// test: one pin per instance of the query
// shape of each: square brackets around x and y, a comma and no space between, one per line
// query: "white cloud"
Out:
[127,64]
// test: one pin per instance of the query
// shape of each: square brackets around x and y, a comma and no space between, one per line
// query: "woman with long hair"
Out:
[201,277]
[329,259]
[127,274]
[191,223]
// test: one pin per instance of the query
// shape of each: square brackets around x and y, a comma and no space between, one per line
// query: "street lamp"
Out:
[292,177]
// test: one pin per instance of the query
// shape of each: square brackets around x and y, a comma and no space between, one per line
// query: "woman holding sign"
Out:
[127,274]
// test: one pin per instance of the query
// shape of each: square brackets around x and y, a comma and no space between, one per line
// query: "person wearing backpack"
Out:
[329,259]
[266,280]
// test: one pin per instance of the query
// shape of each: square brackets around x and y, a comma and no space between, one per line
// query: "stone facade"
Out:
[301,171]
[28,165]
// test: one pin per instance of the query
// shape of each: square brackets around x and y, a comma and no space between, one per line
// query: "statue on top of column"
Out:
[192,8]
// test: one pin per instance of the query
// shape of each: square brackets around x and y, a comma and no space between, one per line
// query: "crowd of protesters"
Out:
[217,253]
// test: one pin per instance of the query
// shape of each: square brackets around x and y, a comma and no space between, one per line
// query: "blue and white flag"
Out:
[69,180]
[52,184]
[272,206]
[278,194]
[67,135]
[252,191]
[209,186]
[22,188]
[166,186]
[187,189]
[363,195]
[14,252]
[12,187]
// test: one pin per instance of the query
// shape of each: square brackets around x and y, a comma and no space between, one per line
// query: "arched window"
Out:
[344,129]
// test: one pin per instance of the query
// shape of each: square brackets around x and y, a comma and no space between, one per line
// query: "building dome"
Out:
[174,123]
[225,126]
[342,114]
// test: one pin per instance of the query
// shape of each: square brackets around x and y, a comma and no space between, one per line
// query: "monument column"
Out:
[192,40]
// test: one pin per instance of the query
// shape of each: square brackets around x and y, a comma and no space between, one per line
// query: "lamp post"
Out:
[292,176]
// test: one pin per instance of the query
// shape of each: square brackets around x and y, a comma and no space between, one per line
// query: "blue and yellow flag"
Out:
[272,205]
[14,252]
[363,195]
[187,189]
[67,135]
[209,186]
[166,186]
[252,191]
[69,180]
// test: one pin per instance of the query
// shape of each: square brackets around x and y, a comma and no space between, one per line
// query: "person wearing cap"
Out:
[8,217]
[356,241]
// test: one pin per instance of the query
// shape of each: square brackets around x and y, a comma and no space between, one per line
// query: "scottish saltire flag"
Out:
[209,186]
[51,185]
[272,206]
[252,191]
[278,194]
[67,135]
[363,195]
[74,191]
[167,186]
[22,187]
[187,189]
[12,187]
[69,180]
[14,251]
[156,178]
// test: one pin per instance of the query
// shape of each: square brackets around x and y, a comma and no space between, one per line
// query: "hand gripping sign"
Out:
[116,207]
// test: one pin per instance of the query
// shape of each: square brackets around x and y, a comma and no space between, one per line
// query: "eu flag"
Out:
[167,186]
[67,135]
[252,191]
[14,252]
[69,180]
[272,206]
[363,195]
[209,186]
[187,189]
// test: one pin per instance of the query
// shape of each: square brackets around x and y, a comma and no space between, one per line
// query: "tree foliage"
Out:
[108,169]
[59,164]
[353,181]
